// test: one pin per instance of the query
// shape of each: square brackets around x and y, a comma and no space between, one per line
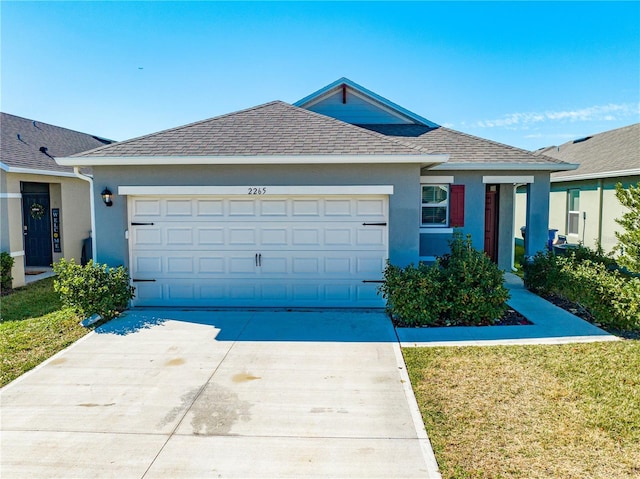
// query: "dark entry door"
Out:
[36,217]
[491,222]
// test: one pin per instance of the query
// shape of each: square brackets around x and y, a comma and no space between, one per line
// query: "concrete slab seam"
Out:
[416,416]
[46,361]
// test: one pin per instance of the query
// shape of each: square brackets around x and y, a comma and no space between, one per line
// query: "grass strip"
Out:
[570,411]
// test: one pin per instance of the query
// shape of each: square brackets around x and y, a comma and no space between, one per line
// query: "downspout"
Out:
[76,171]
[600,209]
[513,222]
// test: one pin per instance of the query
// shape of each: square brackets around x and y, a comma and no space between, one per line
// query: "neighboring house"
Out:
[583,203]
[44,207]
[302,205]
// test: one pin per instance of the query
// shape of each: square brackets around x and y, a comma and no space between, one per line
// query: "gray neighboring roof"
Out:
[464,148]
[603,155]
[24,151]
[272,129]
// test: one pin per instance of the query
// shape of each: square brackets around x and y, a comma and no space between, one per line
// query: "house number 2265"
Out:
[257,191]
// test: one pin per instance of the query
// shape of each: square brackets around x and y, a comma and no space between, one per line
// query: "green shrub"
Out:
[6,263]
[612,298]
[94,288]
[629,239]
[583,253]
[541,271]
[473,286]
[463,288]
[413,294]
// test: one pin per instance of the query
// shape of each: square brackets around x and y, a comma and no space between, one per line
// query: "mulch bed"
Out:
[510,318]
[582,313]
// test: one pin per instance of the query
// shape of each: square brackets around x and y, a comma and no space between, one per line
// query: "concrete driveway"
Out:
[172,394]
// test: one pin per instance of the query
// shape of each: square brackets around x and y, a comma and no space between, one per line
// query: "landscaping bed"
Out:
[510,318]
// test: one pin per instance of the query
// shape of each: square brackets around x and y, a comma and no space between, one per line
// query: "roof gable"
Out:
[29,144]
[347,101]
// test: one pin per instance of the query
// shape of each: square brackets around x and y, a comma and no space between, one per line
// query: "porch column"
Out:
[537,220]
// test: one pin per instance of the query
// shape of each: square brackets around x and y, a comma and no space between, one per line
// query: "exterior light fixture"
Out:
[106,196]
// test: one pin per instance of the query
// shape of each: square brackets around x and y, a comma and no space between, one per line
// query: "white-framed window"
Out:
[435,205]
[573,211]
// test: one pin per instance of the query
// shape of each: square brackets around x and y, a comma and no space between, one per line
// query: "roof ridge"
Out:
[177,128]
[602,133]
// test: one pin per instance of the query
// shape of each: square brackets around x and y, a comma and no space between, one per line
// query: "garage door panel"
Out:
[235,292]
[179,207]
[242,208]
[146,207]
[370,208]
[282,251]
[179,236]
[274,208]
[210,236]
[209,208]
[270,264]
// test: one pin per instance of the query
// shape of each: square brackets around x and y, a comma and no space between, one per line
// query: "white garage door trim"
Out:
[256,190]
[258,250]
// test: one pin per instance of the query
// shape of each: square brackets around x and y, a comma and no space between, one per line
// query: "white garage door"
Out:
[260,251]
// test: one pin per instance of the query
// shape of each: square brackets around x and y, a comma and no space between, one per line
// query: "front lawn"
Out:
[33,327]
[570,411]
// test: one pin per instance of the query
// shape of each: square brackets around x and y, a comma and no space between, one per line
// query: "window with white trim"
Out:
[435,205]
[573,209]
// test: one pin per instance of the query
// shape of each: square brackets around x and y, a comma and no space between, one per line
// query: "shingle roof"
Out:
[600,154]
[22,139]
[275,128]
[462,147]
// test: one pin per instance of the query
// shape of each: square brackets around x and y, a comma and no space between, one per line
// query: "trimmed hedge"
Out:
[612,298]
[6,264]
[93,288]
[463,287]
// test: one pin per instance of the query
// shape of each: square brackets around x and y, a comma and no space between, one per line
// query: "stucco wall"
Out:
[404,204]
[69,194]
[598,200]
[434,243]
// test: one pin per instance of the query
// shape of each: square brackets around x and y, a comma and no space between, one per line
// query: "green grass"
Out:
[518,259]
[570,411]
[33,327]
[30,301]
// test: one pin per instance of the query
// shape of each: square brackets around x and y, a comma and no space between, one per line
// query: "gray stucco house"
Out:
[301,205]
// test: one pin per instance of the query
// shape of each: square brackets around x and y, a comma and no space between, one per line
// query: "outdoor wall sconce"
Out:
[106,196]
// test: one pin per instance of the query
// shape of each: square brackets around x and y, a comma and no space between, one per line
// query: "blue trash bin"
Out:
[552,237]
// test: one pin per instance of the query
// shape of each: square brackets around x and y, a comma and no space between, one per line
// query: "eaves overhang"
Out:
[33,171]
[425,160]
[506,166]
[596,176]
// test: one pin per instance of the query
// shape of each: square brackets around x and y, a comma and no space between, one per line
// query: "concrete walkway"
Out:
[551,325]
[194,394]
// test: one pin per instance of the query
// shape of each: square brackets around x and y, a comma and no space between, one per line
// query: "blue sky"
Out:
[525,74]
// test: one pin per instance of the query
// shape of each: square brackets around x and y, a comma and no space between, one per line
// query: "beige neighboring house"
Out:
[583,204]
[45,210]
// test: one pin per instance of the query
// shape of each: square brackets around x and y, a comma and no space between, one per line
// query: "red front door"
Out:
[491,223]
